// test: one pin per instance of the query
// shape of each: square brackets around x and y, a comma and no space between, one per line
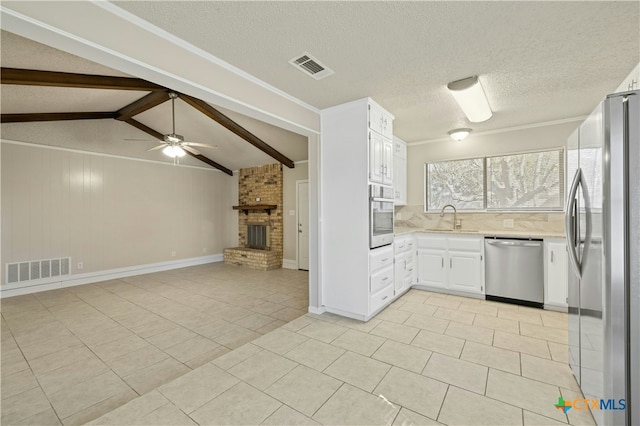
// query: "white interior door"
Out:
[302,197]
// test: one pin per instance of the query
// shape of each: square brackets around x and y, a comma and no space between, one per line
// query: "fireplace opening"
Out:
[258,236]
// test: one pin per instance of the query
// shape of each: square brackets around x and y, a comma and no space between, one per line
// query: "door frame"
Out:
[298,182]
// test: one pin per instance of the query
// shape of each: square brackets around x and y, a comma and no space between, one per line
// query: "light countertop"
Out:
[502,233]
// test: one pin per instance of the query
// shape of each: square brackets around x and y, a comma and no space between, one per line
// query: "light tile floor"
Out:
[71,355]
[427,359]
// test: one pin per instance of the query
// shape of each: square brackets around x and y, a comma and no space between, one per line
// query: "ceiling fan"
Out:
[174,145]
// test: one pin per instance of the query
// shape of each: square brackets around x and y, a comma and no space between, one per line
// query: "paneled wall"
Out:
[109,212]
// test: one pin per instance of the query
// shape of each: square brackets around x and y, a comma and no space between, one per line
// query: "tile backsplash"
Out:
[415,217]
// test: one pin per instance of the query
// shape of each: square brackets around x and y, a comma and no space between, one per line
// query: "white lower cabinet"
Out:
[431,269]
[453,263]
[381,277]
[404,264]
[466,272]
[556,279]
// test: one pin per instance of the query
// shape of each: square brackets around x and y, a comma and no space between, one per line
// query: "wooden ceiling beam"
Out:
[64,79]
[210,162]
[148,130]
[141,105]
[237,129]
[54,116]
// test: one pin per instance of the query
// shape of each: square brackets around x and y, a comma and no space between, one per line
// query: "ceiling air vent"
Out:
[311,66]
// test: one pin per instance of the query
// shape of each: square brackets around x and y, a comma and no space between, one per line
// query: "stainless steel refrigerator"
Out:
[603,241]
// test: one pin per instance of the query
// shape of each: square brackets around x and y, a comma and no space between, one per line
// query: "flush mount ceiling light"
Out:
[459,134]
[471,97]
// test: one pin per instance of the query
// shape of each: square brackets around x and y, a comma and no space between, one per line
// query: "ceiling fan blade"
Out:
[204,145]
[191,150]
[162,145]
[143,140]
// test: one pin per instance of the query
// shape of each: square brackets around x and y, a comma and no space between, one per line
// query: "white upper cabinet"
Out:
[387,161]
[380,159]
[400,171]
[376,166]
[380,121]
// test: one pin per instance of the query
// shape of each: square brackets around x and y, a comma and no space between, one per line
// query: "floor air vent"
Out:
[37,270]
[311,66]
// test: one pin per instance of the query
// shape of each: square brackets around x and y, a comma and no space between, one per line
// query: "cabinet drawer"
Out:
[399,246]
[466,244]
[381,298]
[379,258]
[432,242]
[411,245]
[381,279]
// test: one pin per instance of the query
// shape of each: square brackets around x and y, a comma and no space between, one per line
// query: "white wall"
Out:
[517,140]
[290,176]
[109,212]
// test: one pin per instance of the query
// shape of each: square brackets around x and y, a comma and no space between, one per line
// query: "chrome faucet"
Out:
[455,214]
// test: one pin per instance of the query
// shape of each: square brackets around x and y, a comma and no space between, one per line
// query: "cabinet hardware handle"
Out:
[385,259]
[411,270]
[385,278]
[385,298]
[442,262]
[551,256]
[450,263]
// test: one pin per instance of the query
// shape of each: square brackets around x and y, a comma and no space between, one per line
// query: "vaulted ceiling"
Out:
[113,137]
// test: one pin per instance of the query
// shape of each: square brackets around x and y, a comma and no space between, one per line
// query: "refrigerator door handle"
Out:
[569,224]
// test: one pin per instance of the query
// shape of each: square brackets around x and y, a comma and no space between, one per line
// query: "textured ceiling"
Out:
[538,61]
[108,136]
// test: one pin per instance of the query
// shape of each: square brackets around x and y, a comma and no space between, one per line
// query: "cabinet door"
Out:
[386,125]
[465,272]
[399,172]
[387,161]
[376,118]
[431,270]
[556,293]
[375,157]
[400,268]
[410,269]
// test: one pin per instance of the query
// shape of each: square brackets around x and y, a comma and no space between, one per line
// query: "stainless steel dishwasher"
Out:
[514,271]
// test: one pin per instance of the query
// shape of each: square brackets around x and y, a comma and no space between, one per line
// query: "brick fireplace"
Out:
[260,224]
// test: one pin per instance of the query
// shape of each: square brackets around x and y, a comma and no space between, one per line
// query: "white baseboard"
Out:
[289,264]
[318,310]
[109,274]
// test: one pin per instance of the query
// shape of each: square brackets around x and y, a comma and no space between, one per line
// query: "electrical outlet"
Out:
[507,223]
[80,266]
[257,198]
[173,253]
[398,216]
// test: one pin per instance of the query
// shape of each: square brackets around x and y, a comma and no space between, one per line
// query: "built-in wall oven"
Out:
[380,215]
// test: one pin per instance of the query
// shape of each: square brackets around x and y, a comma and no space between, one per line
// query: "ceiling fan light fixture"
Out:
[459,134]
[173,138]
[174,151]
[469,94]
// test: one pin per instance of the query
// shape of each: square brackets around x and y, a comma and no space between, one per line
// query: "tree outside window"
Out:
[527,181]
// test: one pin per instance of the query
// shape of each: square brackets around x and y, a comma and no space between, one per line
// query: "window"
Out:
[526,181]
[455,182]
[531,181]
